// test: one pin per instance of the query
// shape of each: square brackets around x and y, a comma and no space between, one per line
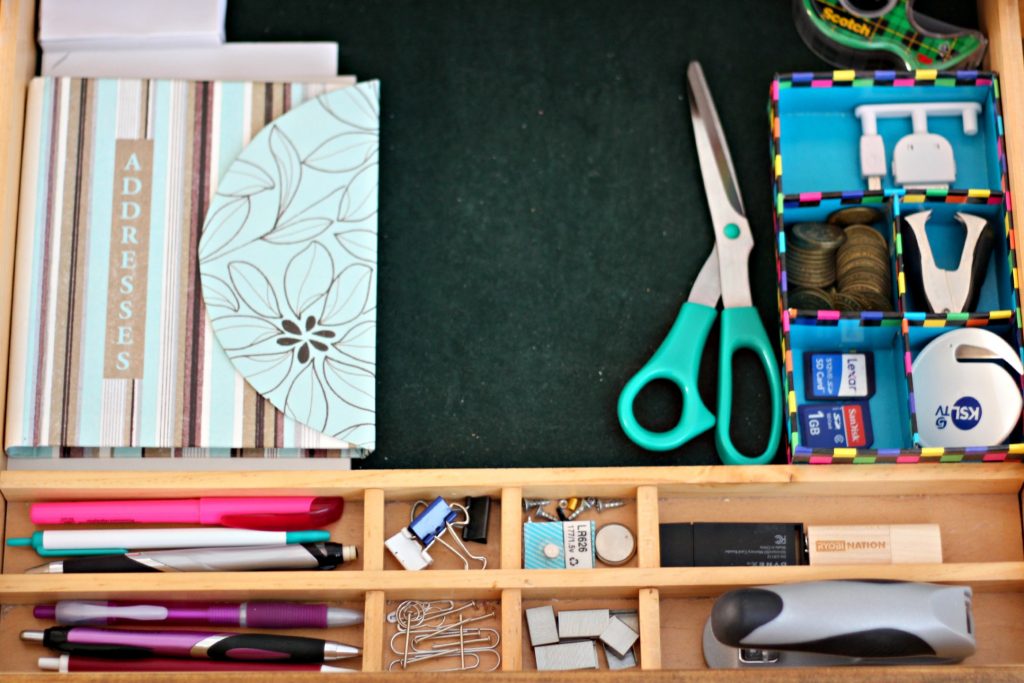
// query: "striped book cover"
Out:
[113,353]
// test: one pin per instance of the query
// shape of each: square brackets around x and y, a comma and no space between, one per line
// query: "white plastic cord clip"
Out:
[921,159]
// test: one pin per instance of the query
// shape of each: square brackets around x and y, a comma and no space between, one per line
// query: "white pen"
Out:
[112,541]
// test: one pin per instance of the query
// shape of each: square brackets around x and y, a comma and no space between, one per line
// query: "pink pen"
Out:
[263,513]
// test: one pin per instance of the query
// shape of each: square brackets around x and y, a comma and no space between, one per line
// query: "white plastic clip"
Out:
[921,159]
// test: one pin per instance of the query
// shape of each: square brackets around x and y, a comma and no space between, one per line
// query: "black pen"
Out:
[128,644]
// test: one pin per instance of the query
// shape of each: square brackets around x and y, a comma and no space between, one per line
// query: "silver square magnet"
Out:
[617,663]
[541,623]
[619,637]
[579,654]
[582,623]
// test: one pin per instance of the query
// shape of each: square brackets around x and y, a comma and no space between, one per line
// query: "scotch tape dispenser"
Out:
[967,389]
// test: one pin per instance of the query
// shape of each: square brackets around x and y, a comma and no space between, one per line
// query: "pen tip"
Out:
[340,651]
[43,569]
[32,636]
[49,663]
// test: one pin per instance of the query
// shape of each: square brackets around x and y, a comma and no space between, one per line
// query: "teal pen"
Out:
[76,542]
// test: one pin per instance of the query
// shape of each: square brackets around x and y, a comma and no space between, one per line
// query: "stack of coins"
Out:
[811,254]
[862,267]
[840,265]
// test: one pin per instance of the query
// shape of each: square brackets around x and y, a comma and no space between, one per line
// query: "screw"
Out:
[530,503]
[608,504]
[584,505]
[544,514]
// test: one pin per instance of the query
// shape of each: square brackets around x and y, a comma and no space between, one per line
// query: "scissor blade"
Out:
[712,148]
[707,288]
[733,238]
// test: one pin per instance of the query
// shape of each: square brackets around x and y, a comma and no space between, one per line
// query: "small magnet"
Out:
[614,544]
[582,623]
[619,637]
[541,623]
[479,510]
[616,663]
[580,654]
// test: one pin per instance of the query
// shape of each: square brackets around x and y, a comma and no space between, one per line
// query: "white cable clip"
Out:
[921,159]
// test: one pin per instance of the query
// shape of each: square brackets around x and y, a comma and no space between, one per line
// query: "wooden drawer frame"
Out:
[984,550]
[994,567]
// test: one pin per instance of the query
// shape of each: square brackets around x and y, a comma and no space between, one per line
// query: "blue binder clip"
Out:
[410,545]
[433,521]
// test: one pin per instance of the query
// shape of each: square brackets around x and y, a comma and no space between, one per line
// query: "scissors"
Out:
[723,276]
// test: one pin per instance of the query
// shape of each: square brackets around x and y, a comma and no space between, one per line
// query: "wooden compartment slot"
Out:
[625,515]
[484,614]
[974,527]
[397,516]
[348,531]
[997,624]
[628,601]
[20,656]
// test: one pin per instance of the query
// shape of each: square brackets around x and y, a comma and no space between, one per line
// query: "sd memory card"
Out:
[836,425]
[832,375]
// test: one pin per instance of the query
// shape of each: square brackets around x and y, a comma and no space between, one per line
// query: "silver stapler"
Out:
[840,623]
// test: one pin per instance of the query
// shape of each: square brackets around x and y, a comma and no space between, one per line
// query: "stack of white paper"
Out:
[112,24]
[286,62]
[181,39]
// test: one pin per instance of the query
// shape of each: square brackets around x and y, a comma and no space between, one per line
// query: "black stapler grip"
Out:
[824,623]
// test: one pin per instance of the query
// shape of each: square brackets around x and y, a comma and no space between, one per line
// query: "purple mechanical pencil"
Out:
[126,644]
[245,614]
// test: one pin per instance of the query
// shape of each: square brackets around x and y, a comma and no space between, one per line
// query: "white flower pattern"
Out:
[288,263]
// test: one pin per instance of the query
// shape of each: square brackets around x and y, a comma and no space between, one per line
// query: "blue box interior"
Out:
[820,213]
[820,135]
[919,337]
[946,236]
[890,407]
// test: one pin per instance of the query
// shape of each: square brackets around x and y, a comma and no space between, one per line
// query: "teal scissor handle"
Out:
[742,329]
[678,361]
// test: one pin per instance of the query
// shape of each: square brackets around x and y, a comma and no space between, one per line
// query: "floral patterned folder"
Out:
[195,271]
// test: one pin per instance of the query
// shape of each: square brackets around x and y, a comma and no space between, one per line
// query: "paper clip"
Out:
[426,634]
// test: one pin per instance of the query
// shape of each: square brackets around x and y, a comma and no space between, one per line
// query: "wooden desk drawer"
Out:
[978,506]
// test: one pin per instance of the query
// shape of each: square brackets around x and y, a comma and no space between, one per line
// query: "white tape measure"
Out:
[964,396]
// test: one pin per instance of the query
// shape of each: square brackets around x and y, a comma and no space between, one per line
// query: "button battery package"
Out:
[834,375]
[836,425]
[558,545]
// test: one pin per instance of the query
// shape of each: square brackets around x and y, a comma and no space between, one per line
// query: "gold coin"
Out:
[844,302]
[809,299]
[877,301]
[854,215]
[865,232]
[816,236]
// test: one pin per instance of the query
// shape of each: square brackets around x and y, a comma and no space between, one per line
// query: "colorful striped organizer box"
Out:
[816,171]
